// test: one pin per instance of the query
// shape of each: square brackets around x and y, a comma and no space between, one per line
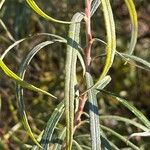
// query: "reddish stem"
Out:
[87,51]
[88,34]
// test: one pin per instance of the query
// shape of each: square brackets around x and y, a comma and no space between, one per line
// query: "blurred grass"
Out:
[129,81]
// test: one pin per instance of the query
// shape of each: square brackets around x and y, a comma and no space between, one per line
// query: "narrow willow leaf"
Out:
[94,6]
[82,63]
[11,47]
[99,40]
[105,143]
[134,110]
[93,113]
[1,3]
[70,78]
[24,84]
[78,147]
[127,57]
[61,138]
[113,146]
[86,147]
[135,58]
[111,36]
[22,71]
[119,136]
[103,83]
[7,31]
[51,124]
[125,120]
[35,7]
[36,35]
[38,139]
[141,134]
[132,62]
[134,24]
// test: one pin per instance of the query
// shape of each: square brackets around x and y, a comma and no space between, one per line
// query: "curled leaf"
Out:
[24,84]
[111,36]
[134,25]
[35,7]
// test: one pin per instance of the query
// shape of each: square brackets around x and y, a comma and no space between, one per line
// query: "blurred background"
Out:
[47,68]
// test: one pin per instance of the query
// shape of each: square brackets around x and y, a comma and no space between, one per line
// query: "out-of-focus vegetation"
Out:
[128,81]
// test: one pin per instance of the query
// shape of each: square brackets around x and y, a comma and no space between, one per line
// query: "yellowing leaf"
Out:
[35,7]
[24,84]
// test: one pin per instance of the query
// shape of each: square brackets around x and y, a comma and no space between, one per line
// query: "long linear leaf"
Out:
[95,5]
[135,58]
[141,134]
[35,7]
[120,137]
[110,143]
[51,124]
[24,84]
[11,47]
[125,120]
[78,147]
[134,24]
[104,82]
[22,71]
[134,110]
[29,37]
[70,78]
[7,31]
[111,36]
[1,3]
[128,57]
[61,138]
[105,142]
[94,115]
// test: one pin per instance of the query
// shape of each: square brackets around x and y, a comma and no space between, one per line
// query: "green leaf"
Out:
[24,84]
[111,37]
[119,136]
[51,124]
[105,143]
[134,25]
[82,63]
[103,83]
[134,110]
[94,6]
[7,31]
[86,147]
[11,47]
[70,77]
[127,57]
[135,58]
[140,134]
[109,142]
[125,120]
[1,3]
[94,115]
[32,36]
[78,147]
[35,7]
[61,138]
[22,71]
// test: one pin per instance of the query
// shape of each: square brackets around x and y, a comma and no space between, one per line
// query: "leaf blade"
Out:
[35,7]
